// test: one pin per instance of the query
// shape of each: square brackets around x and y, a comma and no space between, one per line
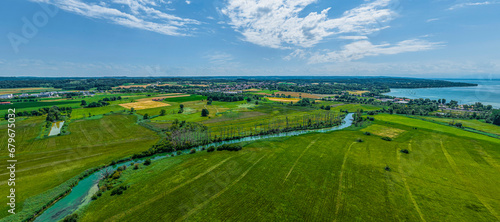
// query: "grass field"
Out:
[383,131]
[27,90]
[144,105]
[45,164]
[286,100]
[357,92]
[87,112]
[448,176]
[354,107]
[186,98]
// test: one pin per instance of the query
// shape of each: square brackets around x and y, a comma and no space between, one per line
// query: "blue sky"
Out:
[417,38]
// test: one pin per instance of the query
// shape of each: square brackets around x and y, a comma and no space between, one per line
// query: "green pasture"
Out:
[355,107]
[468,123]
[45,164]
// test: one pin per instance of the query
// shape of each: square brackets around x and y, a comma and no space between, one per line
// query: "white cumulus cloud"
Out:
[278,24]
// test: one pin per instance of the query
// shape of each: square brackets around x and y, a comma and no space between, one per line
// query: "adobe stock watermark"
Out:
[31,26]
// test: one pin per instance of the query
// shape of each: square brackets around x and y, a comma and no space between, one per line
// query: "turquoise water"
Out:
[487,92]
[81,193]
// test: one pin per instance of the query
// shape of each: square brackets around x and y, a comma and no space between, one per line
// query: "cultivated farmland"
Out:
[91,143]
[147,104]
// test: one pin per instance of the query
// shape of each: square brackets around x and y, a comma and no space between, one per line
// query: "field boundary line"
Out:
[199,206]
[339,192]
[400,169]
[107,127]
[131,210]
[296,161]
[459,173]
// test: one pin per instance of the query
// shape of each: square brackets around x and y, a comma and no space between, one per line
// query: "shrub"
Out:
[404,151]
[387,138]
[359,140]
[211,149]
[204,112]
[147,162]
[99,193]
[179,152]
[136,166]
[94,197]
[368,133]
[119,190]
[192,151]
[71,218]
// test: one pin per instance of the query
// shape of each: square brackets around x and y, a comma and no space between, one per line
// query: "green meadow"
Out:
[448,174]
[444,174]
[44,165]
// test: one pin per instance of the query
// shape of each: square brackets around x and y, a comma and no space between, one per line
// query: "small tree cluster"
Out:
[204,112]
[386,138]
[229,147]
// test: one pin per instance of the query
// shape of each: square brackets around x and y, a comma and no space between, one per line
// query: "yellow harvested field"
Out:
[251,90]
[53,100]
[298,94]
[380,130]
[283,99]
[133,86]
[144,105]
[357,92]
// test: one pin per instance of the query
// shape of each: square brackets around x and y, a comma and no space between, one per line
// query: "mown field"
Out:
[468,123]
[45,164]
[448,175]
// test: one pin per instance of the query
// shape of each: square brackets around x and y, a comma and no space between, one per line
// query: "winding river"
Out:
[81,194]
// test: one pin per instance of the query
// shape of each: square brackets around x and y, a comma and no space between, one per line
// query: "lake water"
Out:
[487,92]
